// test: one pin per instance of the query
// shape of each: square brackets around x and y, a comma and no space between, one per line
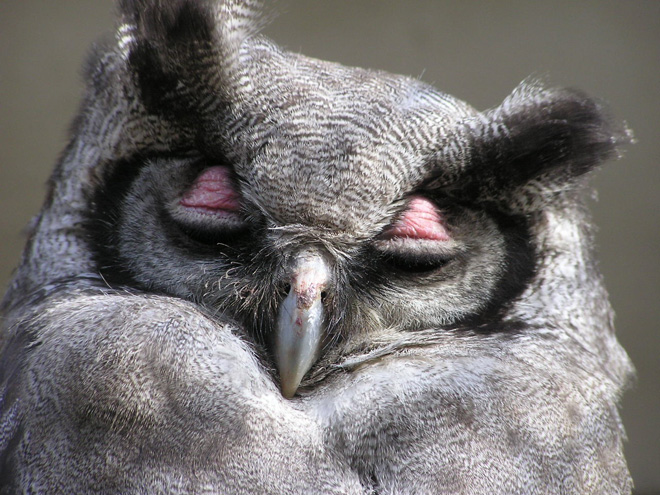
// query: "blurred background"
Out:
[477,51]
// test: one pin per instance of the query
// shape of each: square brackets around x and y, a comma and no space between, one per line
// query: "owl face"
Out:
[414,275]
[188,228]
[323,207]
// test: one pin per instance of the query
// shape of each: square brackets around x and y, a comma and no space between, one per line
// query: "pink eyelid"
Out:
[421,220]
[213,190]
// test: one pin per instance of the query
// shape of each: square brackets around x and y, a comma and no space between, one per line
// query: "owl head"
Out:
[329,211]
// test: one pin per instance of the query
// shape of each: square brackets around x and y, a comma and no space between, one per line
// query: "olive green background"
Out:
[476,50]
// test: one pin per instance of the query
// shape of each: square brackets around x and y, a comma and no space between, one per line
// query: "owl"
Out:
[261,273]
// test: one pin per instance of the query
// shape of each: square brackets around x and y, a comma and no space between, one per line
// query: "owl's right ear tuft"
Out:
[173,22]
[225,23]
[162,42]
[182,54]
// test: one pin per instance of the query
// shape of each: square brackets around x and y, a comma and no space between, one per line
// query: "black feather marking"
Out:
[170,22]
[561,128]
[155,83]
[551,136]
[169,56]
[103,216]
[520,267]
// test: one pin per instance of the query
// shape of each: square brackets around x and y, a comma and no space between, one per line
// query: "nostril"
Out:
[285,289]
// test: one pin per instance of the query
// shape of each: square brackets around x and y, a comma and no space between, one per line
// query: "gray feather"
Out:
[467,345]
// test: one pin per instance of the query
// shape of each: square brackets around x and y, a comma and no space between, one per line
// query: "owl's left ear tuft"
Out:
[546,136]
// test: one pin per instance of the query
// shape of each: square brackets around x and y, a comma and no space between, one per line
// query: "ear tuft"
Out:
[172,22]
[181,51]
[546,136]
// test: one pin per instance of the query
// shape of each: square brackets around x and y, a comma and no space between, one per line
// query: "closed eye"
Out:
[213,193]
[418,241]
[209,210]
[421,220]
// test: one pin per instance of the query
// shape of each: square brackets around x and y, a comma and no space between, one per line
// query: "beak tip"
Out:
[289,385]
[288,393]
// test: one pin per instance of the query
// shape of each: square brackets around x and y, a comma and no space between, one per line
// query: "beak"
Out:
[300,321]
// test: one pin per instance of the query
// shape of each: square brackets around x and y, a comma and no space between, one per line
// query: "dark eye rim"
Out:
[415,263]
[205,236]
[213,237]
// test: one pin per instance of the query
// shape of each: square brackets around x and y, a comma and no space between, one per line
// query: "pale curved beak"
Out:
[300,321]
